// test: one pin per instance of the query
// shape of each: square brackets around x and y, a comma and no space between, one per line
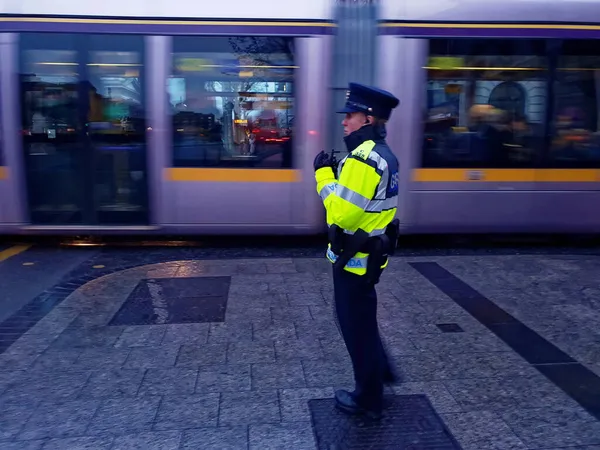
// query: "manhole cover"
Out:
[409,423]
[175,300]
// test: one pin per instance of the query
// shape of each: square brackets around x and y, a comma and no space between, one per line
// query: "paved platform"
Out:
[198,349]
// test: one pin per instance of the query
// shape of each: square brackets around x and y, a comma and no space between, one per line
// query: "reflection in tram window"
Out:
[1,139]
[116,124]
[486,102]
[231,99]
[83,128]
[576,135]
[1,143]
[50,128]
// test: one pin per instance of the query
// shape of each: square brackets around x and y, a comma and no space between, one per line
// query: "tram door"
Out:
[83,127]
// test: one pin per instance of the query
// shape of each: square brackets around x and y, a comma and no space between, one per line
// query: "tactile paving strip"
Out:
[409,423]
[175,300]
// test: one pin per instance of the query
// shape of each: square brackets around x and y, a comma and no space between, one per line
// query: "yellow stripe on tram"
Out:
[233,175]
[13,251]
[507,175]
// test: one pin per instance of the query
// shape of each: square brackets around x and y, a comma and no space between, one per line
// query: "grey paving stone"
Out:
[222,438]
[80,443]
[63,419]
[92,319]
[277,436]
[24,445]
[113,383]
[261,315]
[9,378]
[306,299]
[276,376]
[243,408]
[99,358]
[81,338]
[245,284]
[190,411]
[164,271]
[295,349]
[431,367]
[240,301]
[507,393]
[54,323]
[437,393]
[292,314]
[174,381]
[281,267]
[49,386]
[536,391]
[230,332]
[57,359]
[29,344]
[482,394]
[124,416]
[141,336]
[481,365]
[250,352]
[252,268]
[166,440]
[16,360]
[324,313]
[224,378]
[554,427]
[443,344]
[335,350]
[482,430]
[400,346]
[191,356]
[506,364]
[186,334]
[14,415]
[325,373]
[317,329]
[152,357]
[294,402]
[273,331]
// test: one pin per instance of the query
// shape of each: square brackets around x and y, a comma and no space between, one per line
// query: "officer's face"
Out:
[353,121]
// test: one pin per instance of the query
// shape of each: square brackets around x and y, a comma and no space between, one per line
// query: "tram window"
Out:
[232,101]
[575,134]
[485,103]
[1,145]
[1,140]
[83,128]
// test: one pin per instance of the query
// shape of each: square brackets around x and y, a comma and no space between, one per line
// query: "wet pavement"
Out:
[237,349]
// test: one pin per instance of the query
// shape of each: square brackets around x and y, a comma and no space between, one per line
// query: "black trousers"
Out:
[356,308]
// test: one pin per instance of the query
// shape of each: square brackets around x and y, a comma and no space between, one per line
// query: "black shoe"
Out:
[345,402]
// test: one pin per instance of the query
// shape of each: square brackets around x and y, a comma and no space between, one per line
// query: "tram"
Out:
[204,118]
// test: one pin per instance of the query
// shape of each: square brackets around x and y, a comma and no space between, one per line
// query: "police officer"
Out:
[360,195]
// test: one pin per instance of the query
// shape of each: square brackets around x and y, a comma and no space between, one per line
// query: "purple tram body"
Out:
[205,120]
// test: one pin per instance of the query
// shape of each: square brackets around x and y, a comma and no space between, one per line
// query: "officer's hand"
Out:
[322,160]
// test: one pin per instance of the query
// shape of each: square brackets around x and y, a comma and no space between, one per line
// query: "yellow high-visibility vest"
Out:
[364,195]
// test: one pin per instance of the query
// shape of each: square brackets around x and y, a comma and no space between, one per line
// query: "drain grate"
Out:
[409,423]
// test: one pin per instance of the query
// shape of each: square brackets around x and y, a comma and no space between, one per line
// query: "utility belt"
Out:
[379,248]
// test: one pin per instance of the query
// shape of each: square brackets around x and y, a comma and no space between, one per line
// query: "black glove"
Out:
[322,160]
